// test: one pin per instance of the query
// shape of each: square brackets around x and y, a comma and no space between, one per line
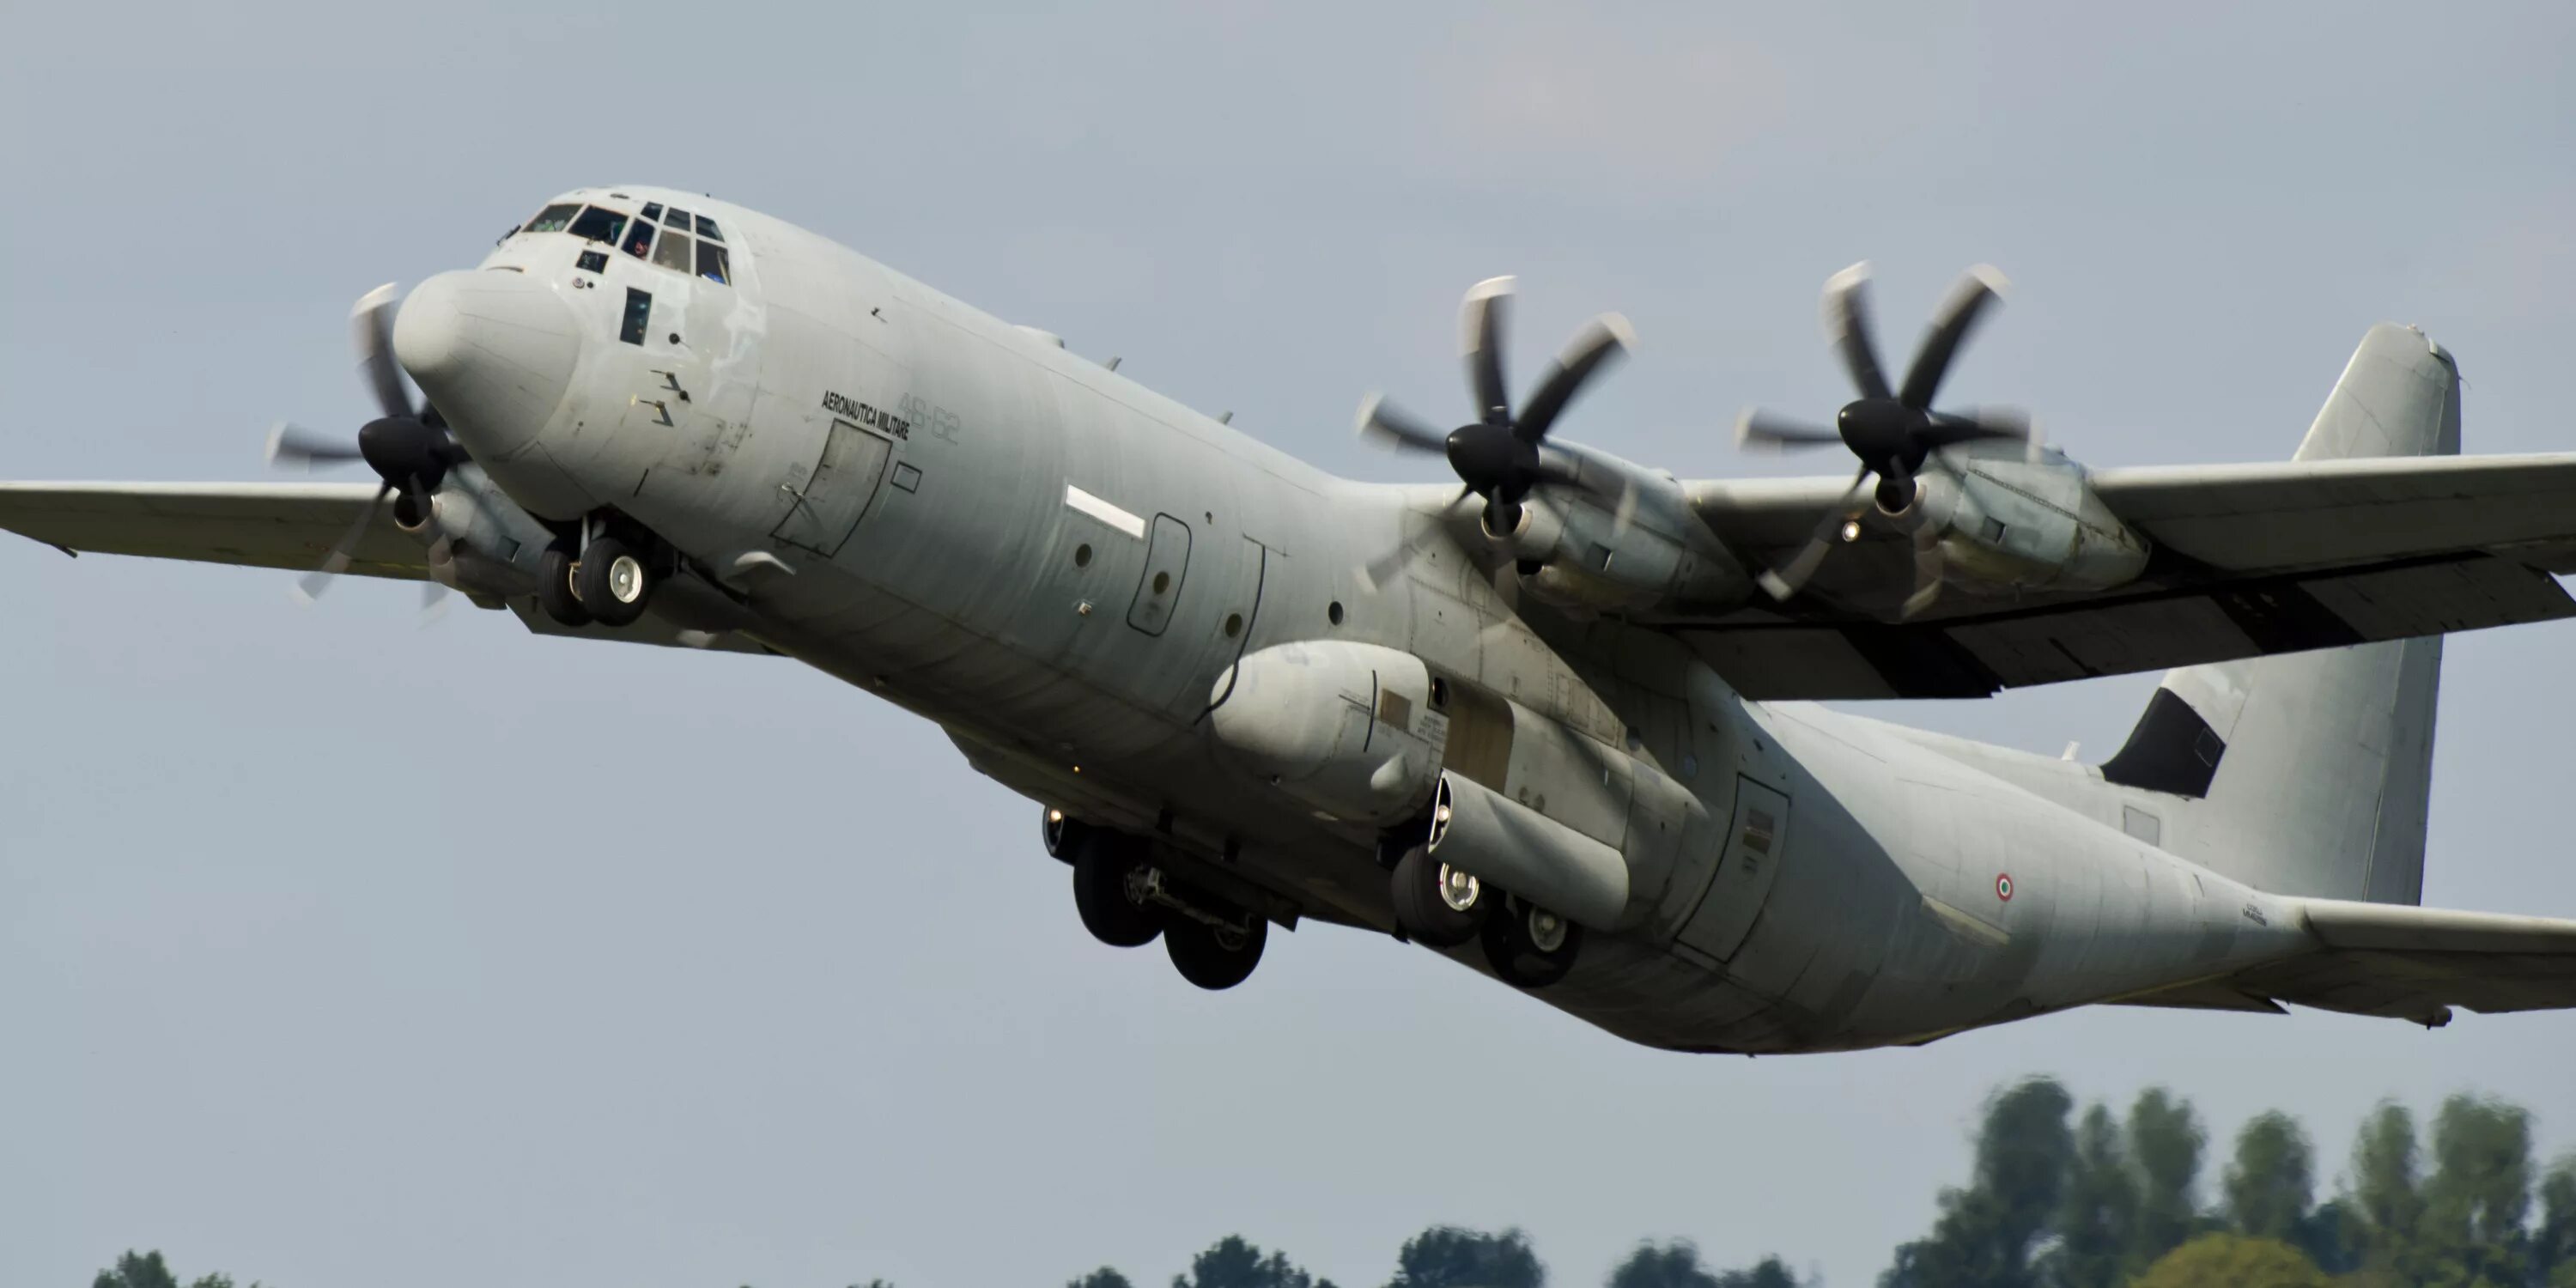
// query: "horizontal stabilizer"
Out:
[2404,963]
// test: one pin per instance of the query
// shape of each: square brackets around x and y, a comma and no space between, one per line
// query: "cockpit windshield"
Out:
[552,219]
[597,224]
[683,242]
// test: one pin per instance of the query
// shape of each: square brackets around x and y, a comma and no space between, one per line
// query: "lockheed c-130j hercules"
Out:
[1555,720]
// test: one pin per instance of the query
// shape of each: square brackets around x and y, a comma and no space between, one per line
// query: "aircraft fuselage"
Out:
[1060,566]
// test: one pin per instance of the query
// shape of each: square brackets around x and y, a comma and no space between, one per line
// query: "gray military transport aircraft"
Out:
[1556,721]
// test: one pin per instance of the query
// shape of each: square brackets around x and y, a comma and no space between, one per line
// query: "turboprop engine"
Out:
[1646,549]
[480,542]
[1998,522]
[1348,729]
[1988,507]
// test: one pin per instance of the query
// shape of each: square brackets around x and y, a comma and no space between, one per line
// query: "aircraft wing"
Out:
[263,525]
[271,525]
[2404,962]
[2248,560]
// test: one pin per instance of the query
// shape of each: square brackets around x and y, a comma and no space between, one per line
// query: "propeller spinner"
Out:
[1891,430]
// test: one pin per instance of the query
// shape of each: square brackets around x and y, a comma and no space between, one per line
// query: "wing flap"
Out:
[1974,656]
[261,525]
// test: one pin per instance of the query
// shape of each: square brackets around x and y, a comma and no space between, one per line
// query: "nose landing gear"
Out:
[614,585]
[608,579]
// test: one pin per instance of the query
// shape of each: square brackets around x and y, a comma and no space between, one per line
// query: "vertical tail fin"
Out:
[2311,773]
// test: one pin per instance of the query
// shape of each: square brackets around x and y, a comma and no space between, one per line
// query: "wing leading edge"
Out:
[259,525]
[272,525]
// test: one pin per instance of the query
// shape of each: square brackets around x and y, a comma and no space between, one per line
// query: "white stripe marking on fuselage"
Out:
[1104,511]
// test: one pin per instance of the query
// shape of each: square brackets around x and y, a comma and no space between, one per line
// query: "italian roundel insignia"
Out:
[2003,886]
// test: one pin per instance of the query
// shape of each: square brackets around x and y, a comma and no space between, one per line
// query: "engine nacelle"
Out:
[1580,550]
[1348,729]
[2007,523]
[480,542]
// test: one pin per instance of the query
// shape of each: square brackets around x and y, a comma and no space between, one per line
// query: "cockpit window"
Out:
[653,210]
[673,253]
[677,218]
[713,264]
[552,219]
[707,229]
[597,224]
[638,238]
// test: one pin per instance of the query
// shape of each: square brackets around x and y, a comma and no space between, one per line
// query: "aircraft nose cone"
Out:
[495,352]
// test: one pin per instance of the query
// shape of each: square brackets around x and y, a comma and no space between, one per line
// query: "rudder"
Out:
[2311,773]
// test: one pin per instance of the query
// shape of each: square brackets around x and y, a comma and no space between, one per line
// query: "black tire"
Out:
[1103,863]
[1423,889]
[1211,958]
[614,582]
[1512,938]
[554,588]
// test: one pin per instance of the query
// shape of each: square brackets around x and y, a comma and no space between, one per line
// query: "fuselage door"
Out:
[836,496]
[1757,842]
[1167,560]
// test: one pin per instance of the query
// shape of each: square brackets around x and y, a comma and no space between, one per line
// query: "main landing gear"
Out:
[608,579]
[1435,904]
[1126,900]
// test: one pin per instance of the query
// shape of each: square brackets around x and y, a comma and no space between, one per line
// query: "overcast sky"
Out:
[337,950]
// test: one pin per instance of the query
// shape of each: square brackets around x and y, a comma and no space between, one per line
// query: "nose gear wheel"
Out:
[613,582]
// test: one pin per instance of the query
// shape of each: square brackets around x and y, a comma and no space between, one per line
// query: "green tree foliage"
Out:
[2098,1215]
[2478,1197]
[2225,1260]
[2269,1186]
[146,1270]
[1677,1265]
[1769,1272]
[2165,1143]
[2553,1245]
[1446,1256]
[1104,1277]
[2336,1237]
[149,1270]
[1663,1265]
[2385,1189]
[1233,1263]
[1987,1232]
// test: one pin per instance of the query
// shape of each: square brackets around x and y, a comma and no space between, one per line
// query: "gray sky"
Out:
[337,950]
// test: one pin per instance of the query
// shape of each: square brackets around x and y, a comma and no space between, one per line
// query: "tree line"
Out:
[2060,1199]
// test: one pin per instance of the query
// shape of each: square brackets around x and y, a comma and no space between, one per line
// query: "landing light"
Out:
[1851,529]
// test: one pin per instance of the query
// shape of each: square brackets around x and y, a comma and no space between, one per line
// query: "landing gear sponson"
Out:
[1126,900]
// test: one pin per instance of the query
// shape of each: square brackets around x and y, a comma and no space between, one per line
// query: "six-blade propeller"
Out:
[1891,430]
[408,446]
[1498,455]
